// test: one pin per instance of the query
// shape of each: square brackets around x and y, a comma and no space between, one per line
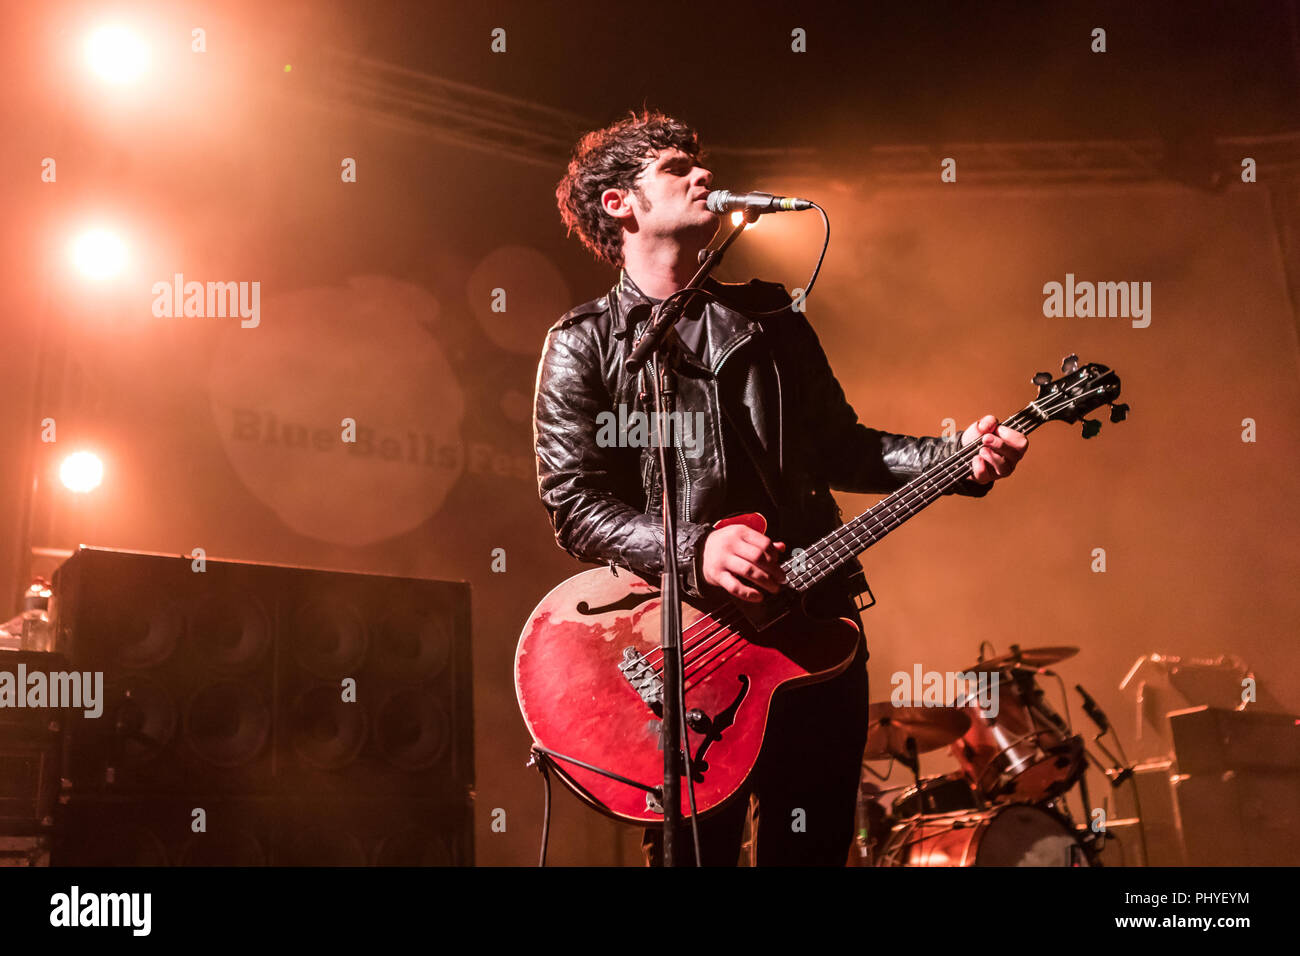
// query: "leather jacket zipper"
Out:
[686,475]
[684,511]
[737,343]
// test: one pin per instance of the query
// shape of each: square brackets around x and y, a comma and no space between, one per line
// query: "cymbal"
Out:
[931,727]
[1029,658]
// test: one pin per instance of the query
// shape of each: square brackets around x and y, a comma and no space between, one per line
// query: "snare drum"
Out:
[1012,835]
[1022,754]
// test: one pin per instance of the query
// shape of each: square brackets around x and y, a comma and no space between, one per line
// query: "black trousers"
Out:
[806,781]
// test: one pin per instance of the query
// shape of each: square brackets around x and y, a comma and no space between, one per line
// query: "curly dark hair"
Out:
[611,158]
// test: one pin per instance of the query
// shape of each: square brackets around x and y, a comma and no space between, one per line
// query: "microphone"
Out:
[720,200]
[1092,710]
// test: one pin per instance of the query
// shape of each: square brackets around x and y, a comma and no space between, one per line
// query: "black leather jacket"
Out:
[769,374]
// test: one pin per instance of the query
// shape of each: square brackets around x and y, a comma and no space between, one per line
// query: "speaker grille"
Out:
[290,696]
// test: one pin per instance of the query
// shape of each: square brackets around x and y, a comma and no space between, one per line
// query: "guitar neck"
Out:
[823,558]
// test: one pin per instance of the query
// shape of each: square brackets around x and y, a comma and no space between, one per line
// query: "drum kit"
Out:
[1005,806]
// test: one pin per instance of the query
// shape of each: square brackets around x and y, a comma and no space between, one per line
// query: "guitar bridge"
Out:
[643,678]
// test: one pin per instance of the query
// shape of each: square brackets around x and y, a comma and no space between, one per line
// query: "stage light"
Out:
[98,254]
[81,472]
[738,217]
[116,55]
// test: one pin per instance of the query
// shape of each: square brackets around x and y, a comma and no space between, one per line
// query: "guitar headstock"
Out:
[1080,390]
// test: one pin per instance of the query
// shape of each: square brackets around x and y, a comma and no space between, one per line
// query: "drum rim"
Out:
[980,821]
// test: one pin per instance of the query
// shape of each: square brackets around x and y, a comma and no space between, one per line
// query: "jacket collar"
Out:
[724,325]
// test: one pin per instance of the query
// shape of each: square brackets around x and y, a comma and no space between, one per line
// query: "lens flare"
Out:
[98,254]
[81,472]
[116,55]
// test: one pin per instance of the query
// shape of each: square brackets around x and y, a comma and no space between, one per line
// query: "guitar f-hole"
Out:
[718,724]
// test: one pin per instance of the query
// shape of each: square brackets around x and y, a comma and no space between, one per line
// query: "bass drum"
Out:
[1013,835]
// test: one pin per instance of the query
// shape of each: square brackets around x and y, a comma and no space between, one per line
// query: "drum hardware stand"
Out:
[1097,840]
[1034,696]
[912,761]
[1094,841]
[862,840]
[1118,773]
[982,802]
[1064,726]
[866,846]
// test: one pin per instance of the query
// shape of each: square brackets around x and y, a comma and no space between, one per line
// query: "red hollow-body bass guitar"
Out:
[588,668]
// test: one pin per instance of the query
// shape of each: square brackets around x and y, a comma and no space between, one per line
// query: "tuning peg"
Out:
[1118,412]
[1070,364]
[1042,378]
[1090,427]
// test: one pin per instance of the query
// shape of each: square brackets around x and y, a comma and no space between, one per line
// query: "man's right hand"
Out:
[736,557]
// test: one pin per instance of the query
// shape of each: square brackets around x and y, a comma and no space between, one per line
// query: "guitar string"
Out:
[709,653]
[700,642]
[850,537]
[967,454]
[846,537]
[834,541]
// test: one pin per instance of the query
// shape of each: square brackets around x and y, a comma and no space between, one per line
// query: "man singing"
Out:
[779,436]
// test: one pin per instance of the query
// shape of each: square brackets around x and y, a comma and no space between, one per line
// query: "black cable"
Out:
[686,752]
[540,760]
[1137,797]
[1137,808]
[826,241]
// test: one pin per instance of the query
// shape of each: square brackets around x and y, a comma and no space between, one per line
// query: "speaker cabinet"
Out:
[282,695]
[1238,789]
[1213,740]
[1247,818]
[1155,783]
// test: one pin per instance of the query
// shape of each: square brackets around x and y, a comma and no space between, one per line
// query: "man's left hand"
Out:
[1002,448]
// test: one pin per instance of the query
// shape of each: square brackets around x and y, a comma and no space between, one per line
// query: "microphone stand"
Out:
[654,341]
